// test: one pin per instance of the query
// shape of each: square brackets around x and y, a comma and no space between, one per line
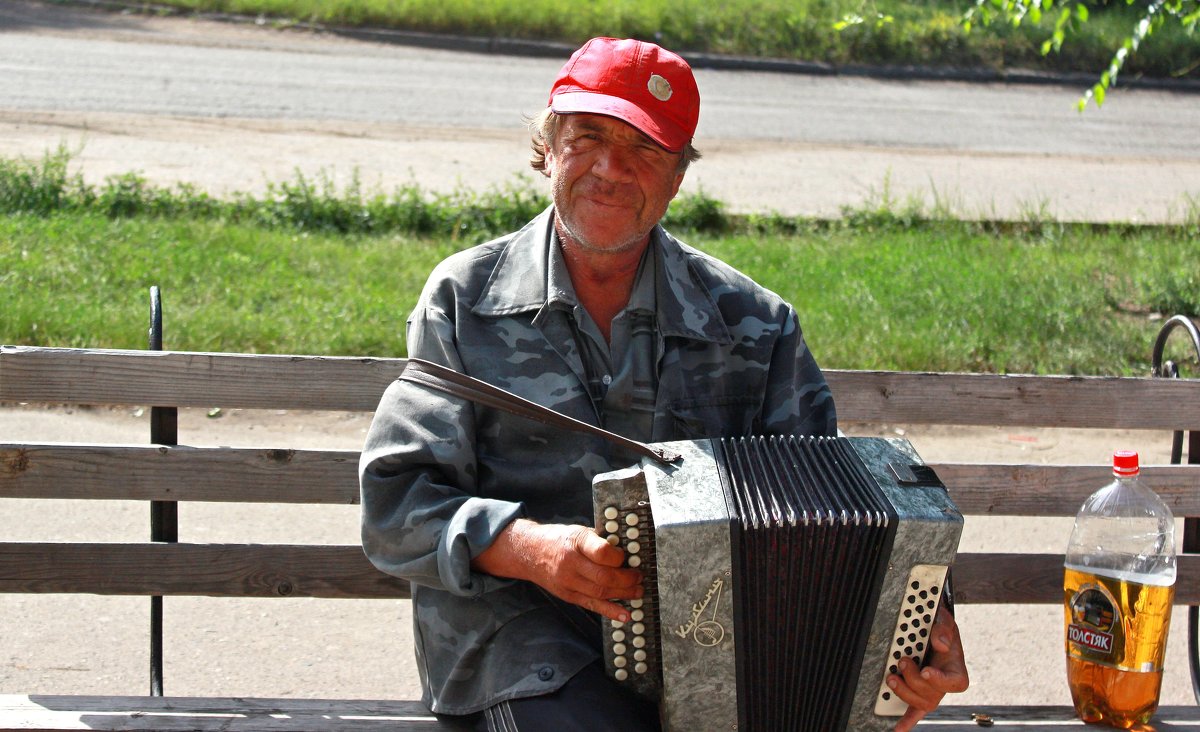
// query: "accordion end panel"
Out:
[927,535]
[687,632]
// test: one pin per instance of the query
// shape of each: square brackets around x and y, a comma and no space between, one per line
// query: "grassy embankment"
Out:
[309,269]
[890,32]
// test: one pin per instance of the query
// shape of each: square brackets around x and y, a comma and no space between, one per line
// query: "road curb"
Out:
[552,49]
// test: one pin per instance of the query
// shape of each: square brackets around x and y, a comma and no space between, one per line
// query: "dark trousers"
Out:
[589,702]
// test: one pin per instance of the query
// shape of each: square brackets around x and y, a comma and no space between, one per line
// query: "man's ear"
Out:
[548,158]
[678,183]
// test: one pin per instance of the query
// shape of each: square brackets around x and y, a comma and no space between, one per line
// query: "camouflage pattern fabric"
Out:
[440,477]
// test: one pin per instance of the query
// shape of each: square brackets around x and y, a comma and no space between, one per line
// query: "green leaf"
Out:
[1098,94]
[1081,12]
[847,21]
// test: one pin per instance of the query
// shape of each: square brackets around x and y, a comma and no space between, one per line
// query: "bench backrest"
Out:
[285,475]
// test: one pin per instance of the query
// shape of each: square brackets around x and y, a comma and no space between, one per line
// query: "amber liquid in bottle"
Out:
[1119,687]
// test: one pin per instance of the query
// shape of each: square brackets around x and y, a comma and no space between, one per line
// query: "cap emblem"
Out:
[659,88]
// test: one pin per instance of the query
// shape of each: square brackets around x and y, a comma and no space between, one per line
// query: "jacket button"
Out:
[545,673]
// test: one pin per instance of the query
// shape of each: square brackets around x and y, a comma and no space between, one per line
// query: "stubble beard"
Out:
[572,237]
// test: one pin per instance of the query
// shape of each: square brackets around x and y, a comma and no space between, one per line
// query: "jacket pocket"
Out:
[714,416]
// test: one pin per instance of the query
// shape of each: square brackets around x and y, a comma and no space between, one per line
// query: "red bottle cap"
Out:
[1125,463]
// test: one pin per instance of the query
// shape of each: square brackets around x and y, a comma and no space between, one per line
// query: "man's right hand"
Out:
[570,562]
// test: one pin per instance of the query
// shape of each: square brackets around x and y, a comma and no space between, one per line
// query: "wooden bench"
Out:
[169,473]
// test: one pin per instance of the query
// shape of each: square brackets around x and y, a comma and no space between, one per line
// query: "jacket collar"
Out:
[519,283]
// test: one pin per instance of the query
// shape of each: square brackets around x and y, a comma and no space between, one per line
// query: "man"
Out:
[593,310]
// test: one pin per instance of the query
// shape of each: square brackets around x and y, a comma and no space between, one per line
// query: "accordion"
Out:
[784,578]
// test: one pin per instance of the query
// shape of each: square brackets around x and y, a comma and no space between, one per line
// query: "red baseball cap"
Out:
[637,82]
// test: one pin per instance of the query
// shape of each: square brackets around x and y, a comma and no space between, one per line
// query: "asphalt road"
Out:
[231,106]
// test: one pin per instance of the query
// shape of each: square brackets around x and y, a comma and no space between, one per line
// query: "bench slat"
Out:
[215,570]
[255,381]
[956,718]
[274,570]
[160,473]
[240,714]
[899,397]
[186,379]
[268,475]
[987,578]
[235,714]
[1057,490]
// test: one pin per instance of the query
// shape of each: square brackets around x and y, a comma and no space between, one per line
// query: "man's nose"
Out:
[614,163]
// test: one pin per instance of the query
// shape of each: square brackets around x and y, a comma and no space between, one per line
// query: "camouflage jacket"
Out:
[441,477]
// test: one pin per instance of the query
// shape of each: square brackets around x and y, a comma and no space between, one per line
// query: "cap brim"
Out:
[662,131]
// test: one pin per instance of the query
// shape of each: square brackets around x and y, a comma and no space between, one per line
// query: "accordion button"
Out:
[621,674]
[635,561]
[613,539]
[639,655]
[638,629]
[619,649]
[632,533]
[632,519]
[641,668]
[620,662]
[611,513]
[639,642]
[637,616]
[635,604]
[612,527]
[618,636]
[633,547]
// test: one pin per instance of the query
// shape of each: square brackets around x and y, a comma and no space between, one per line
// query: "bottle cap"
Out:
[1125,463]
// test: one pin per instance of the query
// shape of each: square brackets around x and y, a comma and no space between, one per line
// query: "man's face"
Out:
[610,183]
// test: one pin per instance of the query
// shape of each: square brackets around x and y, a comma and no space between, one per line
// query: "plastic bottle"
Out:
[1118,588]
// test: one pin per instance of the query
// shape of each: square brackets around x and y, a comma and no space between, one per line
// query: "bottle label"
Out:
[1115,622]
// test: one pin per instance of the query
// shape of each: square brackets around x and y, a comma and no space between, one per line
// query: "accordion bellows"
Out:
[785,576]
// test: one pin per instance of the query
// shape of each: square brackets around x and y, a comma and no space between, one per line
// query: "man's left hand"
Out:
[946,672]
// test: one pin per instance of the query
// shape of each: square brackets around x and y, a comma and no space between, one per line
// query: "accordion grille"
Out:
[812,534]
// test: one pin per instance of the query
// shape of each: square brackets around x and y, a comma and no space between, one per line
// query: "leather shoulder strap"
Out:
[451,382]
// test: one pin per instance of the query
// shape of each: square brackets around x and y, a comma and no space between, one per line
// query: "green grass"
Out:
[926,32]
[226,287]
[953,296]
[307,268]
